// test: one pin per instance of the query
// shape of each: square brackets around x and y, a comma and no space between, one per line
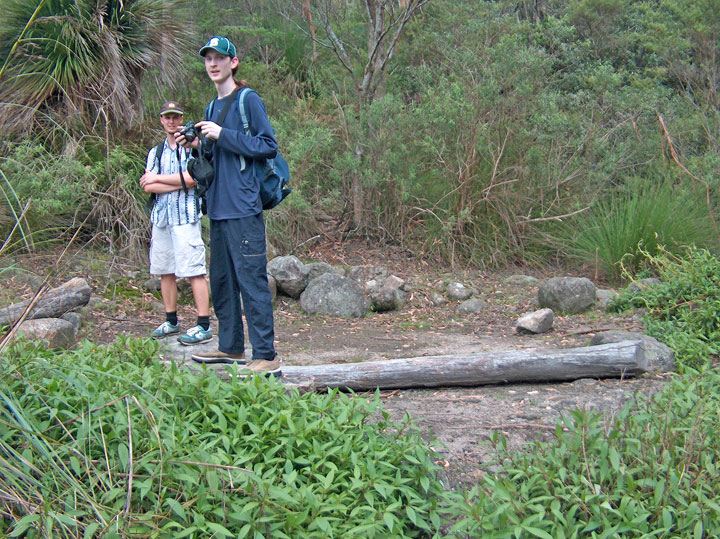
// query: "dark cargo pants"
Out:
[238,267]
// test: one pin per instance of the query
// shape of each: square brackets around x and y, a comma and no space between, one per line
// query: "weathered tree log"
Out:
[53,304]
[615,360]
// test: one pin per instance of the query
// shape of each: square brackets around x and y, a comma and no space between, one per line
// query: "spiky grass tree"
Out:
[83,61]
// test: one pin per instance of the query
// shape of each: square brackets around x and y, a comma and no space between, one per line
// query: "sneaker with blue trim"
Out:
[196,335]
[165,329]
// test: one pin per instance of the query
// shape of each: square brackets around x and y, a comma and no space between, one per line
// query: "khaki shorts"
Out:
[177,250]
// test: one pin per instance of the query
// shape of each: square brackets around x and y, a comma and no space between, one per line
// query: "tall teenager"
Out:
[238,258]
[176,246]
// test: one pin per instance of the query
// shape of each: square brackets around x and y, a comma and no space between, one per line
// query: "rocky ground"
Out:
[458,422]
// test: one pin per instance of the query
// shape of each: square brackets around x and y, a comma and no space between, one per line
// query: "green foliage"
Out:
[651,474]
[634,223]
[492,118]
[84,59]
[55,189]
[684,310]
[106,440]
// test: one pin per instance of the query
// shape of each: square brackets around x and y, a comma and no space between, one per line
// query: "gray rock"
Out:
[290,274]
[459,291]
[571,295]
[660,357]
[335,295]
[69,296]
[391,296]
[75,319]
[56,332]
[273,287]
[642,284]
[437,299]
[524,281]
[369,277]
[603,298]
[472,305]
[540,321]
[316,269]
[152,284]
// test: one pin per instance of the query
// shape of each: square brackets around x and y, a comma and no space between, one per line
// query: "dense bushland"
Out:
[497,131]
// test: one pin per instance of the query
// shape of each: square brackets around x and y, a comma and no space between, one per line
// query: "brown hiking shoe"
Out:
[210,358]
[262,367]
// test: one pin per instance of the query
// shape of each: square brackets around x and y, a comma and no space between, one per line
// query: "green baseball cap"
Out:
[221,44]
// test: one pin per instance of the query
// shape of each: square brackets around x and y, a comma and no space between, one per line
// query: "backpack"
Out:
[274,174]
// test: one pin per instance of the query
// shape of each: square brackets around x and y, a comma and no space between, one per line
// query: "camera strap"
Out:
[223,113]
[182,178]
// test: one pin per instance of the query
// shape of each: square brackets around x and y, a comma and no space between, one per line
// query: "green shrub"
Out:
[57,187]
[653,474]
[684,310]
[104,440]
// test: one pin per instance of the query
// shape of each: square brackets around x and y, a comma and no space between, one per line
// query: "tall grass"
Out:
[643,217]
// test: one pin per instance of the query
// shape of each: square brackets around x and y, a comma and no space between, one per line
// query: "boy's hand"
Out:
[211,130]
[147,178]
[182,141]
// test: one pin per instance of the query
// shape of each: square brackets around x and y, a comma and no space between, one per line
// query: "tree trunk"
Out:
[53,304]
[615,360]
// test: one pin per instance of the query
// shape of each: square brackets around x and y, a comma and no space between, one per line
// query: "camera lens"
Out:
[189,131]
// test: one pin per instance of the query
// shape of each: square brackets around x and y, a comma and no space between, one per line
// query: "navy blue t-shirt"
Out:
[235,192]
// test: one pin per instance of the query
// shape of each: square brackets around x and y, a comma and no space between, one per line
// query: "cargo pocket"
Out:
[253,246]
[196,258]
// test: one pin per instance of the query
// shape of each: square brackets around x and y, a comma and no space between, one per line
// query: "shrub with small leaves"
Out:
[683,310]
[653,474]
[104,440]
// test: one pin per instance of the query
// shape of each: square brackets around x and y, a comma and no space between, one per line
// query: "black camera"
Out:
[189,131]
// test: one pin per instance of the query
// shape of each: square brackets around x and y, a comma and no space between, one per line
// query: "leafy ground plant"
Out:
[104,441]
[653,474]
[681,311]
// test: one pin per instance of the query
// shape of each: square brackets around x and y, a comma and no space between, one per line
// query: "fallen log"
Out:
[614,360]
[52,304]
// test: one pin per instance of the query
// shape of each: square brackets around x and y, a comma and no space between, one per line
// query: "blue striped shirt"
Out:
[175,207]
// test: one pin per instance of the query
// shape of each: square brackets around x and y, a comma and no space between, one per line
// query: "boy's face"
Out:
[171,122]
[219,66]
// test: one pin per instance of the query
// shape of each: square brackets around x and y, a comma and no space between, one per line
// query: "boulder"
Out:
[570,295]
[390,296]
[459,291]
[660,357]
[56,332]
[54,303]
[369,277]
[603,298]
[335,295]
[290,274]
[470,306]
[315,269]
[540,321]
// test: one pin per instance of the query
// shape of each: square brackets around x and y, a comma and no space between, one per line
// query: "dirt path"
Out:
[458,422]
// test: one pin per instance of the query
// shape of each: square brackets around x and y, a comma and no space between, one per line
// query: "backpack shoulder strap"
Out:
[209,109]
[158,155]
[243,111]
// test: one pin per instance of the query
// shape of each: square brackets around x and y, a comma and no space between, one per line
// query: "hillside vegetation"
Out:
[472,132]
